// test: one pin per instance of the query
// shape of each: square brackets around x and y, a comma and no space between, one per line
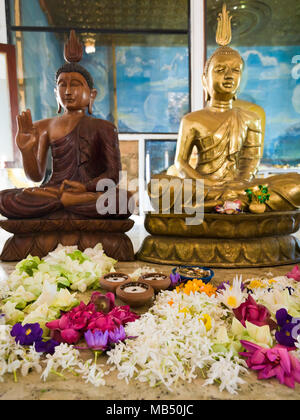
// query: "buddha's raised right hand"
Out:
[27,134]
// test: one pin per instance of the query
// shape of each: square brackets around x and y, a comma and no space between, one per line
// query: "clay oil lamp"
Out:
[135,293]
[158,281]
[111,281]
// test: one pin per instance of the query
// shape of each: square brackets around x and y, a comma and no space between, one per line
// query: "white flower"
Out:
[171,345]
[227,370]
[92,373]
[232,296]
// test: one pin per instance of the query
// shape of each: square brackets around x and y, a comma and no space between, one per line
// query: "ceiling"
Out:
[118,14]
[257,22]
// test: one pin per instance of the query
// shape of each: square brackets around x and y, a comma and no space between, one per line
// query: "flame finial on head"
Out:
[73,50]
[223,35]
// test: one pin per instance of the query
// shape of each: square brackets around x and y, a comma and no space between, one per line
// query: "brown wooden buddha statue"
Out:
[84,151]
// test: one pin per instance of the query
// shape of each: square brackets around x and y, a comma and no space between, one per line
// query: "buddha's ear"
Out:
[59,108]
[92,100]
[204,84]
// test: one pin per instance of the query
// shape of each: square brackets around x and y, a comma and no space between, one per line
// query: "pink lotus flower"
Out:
[103,303]
[252,312]
[275,362]
[294,273]
[70,326]
[122,315]
[102,322]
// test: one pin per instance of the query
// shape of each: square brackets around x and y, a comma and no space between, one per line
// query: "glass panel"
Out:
[159,155]
[105,14]
[6,153]
[149,74]
[267,35]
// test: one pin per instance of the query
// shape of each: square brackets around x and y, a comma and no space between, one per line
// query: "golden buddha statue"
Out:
[229,144]
[228,138]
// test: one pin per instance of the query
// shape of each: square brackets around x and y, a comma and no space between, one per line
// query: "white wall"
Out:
[197,53]
[3,32]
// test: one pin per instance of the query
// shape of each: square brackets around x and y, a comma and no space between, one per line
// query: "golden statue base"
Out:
[228,241]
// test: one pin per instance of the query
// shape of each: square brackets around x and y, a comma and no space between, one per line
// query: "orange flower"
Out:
[195,285]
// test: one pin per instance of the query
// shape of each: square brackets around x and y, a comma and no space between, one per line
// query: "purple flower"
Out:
[221,286]
[26,334]
[46,346]
[117,335]
[96,340]
[175,278]
[289,328]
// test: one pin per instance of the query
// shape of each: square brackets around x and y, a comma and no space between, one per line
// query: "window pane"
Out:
[159,155]
[149,74]
[267,35]
[105,14]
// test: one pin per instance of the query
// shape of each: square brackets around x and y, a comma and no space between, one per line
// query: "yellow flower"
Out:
[206,321]
[256,284]
[185,311]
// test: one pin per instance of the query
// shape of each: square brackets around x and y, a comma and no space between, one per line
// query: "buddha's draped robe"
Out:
[87,154]
[230,154]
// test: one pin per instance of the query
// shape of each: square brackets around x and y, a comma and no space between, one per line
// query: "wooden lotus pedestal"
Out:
[243,240]
[38,237]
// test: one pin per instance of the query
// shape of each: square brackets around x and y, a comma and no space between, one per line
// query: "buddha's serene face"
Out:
[224,75]
[73,92]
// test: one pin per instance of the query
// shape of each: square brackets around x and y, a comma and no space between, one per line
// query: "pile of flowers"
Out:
[194,329]
[100,323]
[219,333]
[38,289]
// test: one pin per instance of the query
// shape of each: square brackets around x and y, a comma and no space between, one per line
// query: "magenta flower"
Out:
[103,303]
[26,334]
[294,273]
[122,315]
[117,335]
[102,322]
[252,312]
[289,328]
[69,328]
[275,362]
[97,340]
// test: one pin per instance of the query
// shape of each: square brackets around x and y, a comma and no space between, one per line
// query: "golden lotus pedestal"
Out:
[228,241]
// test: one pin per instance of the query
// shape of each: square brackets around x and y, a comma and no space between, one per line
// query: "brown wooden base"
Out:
[38,237]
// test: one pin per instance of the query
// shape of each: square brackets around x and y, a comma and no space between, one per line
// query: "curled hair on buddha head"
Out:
[223,38]
[73,52]
[222,51]
[75,68]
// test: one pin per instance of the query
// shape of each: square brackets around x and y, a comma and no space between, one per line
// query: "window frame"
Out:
[19,28]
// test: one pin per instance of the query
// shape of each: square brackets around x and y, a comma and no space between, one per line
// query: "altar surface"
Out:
[71,387]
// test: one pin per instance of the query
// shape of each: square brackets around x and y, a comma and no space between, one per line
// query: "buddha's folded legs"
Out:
[40,202]
[284,193]
[29,202]
[89,204]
